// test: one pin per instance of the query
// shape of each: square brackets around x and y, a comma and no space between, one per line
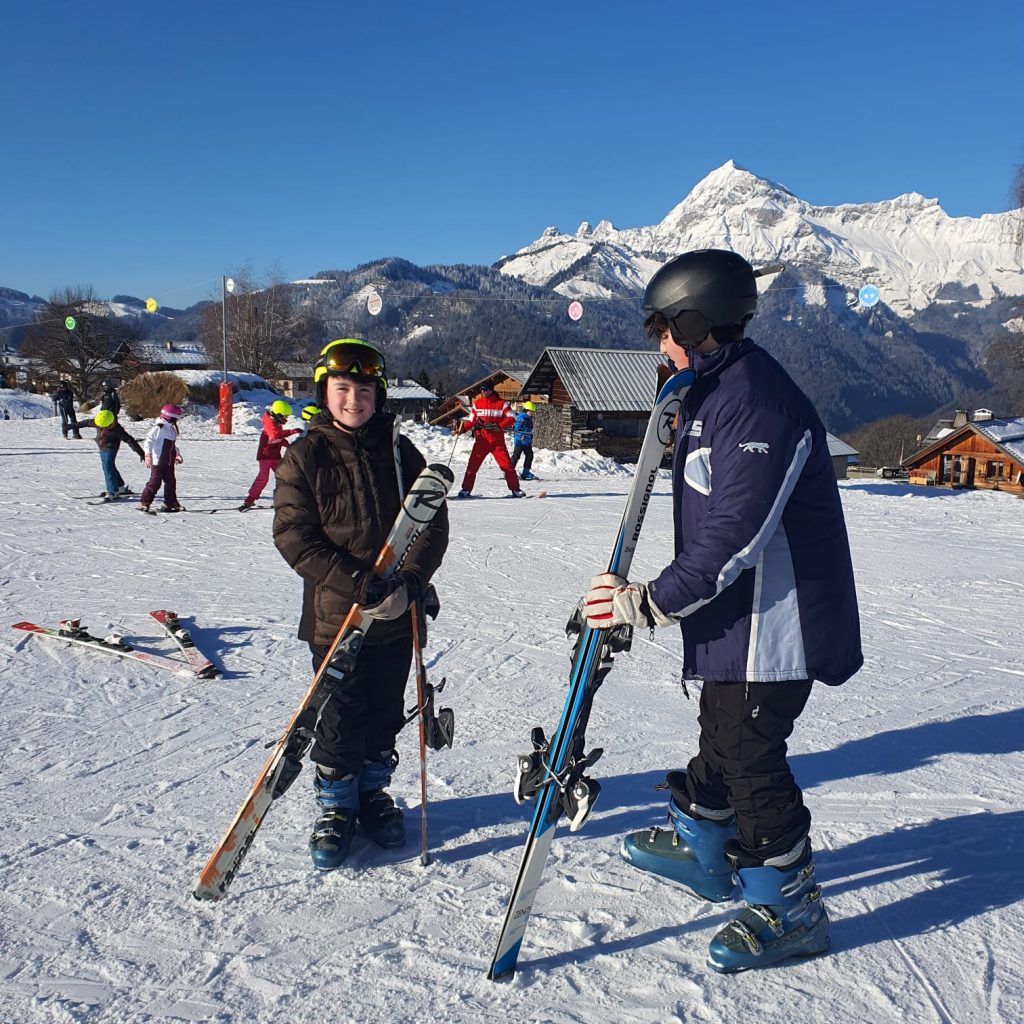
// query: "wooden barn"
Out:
[972,453]
[597,398]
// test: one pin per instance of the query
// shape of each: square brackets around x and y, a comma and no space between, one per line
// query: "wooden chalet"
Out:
[409,399]
[597,398]
[508,383]
[294,378]
[983,452]
[602,398]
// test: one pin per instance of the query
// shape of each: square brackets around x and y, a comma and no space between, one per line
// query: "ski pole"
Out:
[421,694]
[458,434]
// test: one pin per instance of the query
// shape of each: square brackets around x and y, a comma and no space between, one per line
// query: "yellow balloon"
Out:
[151,305]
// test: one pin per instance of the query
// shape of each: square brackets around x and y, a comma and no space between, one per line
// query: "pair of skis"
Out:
[423,500]
[73,632]
[553,773]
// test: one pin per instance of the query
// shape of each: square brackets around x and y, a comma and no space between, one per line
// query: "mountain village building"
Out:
[968,453]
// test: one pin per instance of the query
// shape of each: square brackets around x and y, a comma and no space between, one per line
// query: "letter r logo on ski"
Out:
[754,447]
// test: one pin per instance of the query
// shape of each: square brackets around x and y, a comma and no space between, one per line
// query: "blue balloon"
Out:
[868,295]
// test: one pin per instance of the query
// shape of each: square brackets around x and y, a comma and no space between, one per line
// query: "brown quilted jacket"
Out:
[335,502]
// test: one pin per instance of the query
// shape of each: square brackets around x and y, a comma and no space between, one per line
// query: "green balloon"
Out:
[70,323]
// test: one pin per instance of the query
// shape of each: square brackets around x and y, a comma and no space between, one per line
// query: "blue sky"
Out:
[149,148]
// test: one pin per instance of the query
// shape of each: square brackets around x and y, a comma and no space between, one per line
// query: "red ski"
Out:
[198,662]
[71,631]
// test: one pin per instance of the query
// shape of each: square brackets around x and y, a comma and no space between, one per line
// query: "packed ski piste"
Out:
[233,793]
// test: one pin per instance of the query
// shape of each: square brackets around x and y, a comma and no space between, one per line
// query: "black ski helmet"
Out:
[702,289]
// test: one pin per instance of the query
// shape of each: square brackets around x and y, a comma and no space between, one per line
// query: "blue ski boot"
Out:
[691,852]
[382,821]
[784,918]
[332,834]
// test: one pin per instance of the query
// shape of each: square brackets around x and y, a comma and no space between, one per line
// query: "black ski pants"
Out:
[366,711]
[69,422]
[742,764]
[526,450]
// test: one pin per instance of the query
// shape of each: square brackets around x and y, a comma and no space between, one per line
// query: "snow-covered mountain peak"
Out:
[907,245]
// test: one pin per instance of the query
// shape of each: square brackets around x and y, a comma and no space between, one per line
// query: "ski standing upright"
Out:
[553,773]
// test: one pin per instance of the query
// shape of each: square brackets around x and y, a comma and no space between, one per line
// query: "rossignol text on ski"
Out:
[553,772]
[421,503]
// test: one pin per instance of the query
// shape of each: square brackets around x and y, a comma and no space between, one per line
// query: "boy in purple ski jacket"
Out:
[762,585]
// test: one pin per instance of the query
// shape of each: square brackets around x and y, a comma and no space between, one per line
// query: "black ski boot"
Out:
[382,821]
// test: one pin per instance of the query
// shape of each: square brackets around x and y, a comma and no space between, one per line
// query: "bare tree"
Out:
[81,353]
[266,325]
[885,441]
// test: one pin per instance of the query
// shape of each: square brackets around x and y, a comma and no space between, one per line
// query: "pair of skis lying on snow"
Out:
[73,632]
[553,773]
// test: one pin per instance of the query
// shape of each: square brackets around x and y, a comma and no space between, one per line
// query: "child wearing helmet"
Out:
[339,489]
[522,435]
[162,455]
[109,435]
[762,585]
[273,438]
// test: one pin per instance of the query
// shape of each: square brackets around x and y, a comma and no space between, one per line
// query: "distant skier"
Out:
[488,419]
[762,583]
[64,397]
[110,399]
[109,435]
[273,438]
[162,455]
[308,414]
[522,436]
[336,498]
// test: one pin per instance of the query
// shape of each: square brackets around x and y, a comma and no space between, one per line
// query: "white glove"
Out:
[389,599]
[613,601]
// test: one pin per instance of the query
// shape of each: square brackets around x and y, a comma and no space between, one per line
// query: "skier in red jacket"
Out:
[488,419]
[273,440]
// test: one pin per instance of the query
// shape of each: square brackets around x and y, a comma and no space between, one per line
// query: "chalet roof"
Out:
[295,369]
[516,373]
[409,391]
[170,353]
[836,446]
[599,380]
[1005,434]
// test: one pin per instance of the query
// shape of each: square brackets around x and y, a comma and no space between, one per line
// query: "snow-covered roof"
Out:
[295,369]
[170,353]
[836,446]
[599,380]
[409,391]
[1008,434]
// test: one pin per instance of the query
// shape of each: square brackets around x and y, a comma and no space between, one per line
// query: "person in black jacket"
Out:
[110,399]
[339,490]
[109,435]
[64,397]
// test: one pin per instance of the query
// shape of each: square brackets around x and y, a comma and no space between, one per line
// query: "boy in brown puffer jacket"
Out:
[337,496]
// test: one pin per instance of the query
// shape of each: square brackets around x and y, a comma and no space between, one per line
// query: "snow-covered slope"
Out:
[908,246]
[117,779]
